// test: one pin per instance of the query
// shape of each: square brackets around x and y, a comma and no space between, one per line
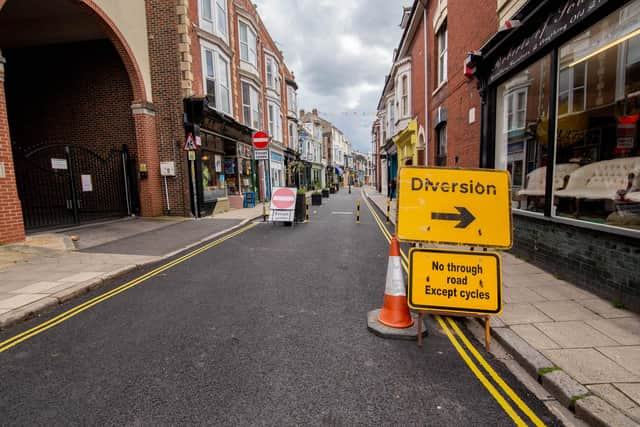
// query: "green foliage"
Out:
[301,191]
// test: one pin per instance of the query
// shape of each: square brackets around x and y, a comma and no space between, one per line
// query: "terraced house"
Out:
[127,82]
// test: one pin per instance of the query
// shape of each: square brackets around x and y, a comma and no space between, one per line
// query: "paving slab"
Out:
[37,288]
[522,294]
[612,395]
[565,310]
[575,334]
[561,291]
[632,390]
[535,336]
[622,330]
[589,366]
[516,313]
[627,357]
[605,308]
[16,301]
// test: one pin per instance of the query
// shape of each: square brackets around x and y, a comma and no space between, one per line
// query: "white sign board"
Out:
[87,183]
[167,168]
[261,154]
[59,164]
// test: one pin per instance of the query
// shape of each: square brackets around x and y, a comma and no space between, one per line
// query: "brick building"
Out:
[84,140]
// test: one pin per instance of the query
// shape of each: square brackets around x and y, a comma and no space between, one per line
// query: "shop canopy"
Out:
[339,171]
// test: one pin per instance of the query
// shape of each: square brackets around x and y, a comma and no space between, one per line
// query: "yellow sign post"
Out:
[454,206]
[464,282]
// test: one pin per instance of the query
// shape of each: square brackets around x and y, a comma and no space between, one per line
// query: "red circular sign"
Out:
[260,140]
[284,198]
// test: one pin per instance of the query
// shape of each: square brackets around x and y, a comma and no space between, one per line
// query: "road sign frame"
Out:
[455,210]
[455,310]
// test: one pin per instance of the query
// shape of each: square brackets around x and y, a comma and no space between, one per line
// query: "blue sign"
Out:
[276,157]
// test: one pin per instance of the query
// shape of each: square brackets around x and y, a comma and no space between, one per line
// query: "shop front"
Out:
[561,110]
[406,144]
[391,151]
[239,173]
[277,169]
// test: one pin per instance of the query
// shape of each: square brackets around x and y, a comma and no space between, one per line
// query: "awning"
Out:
[339,171]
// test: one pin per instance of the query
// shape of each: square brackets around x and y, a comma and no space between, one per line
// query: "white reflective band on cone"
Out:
[395,278]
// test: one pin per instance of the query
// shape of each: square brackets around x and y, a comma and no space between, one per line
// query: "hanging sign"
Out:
[455,281]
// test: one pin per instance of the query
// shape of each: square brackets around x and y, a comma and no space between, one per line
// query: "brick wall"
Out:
[604,263]
[466,32]
[11,225]
[85,98]
[167,79]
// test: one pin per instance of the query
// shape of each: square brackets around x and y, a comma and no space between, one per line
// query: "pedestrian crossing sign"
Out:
[190,143]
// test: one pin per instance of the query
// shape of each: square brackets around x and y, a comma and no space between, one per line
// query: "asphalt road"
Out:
[267,328]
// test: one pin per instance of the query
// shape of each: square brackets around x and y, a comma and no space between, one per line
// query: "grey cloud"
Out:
[331,78]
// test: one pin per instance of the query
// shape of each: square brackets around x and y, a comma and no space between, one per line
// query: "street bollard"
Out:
[307,214]
[388,211]
[358,213]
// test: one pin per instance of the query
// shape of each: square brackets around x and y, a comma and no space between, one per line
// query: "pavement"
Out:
[266,326]
[52,268]
[580,347]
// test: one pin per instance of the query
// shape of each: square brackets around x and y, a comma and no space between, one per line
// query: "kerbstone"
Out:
[597,412]
[563,387]
[530,358]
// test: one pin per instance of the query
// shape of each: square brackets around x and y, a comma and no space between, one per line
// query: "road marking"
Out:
[470,363]
[341,213]
[42,327]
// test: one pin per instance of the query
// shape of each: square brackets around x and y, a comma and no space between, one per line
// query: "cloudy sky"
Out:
[340,51]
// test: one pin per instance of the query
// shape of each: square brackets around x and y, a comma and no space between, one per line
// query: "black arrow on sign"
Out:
[464,217]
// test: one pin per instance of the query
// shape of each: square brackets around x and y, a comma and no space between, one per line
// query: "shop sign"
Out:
[276,157]
[283,204]
[455,281]
[567,15]
[244,150]
[87,183]
[60,164]
[454,206]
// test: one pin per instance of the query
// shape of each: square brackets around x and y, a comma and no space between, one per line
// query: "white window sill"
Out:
[440,86]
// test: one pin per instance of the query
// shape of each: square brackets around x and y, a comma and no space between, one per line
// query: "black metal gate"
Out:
[69,184]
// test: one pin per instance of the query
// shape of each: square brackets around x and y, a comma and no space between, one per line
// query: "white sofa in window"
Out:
[601,180]
[536,179]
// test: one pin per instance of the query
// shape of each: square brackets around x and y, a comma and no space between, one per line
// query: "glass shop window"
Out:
[597,149]
[522,123]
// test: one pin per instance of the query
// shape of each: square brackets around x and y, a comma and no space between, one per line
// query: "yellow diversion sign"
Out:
[455,281]
[454,206]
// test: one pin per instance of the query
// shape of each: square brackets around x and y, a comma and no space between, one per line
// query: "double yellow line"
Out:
[466,347]
[15,340]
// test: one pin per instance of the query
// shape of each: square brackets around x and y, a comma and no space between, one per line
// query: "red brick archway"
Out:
[11,217]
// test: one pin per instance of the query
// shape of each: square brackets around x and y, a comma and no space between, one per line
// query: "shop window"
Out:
[251,106]
[597,148]
[442,54]
[247,44]
[441,145]
[522,120]
[216,78]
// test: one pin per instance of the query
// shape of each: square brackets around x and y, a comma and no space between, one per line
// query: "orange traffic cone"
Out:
[395,311]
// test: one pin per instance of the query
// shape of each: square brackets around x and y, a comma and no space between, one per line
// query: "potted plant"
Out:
[300,204]
[325,193]
[316,198]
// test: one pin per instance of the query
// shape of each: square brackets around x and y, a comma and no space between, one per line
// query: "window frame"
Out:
[211,24]
[247,43]
[572,88]
[217,56]
[255,121]
[442,63]
[511,98]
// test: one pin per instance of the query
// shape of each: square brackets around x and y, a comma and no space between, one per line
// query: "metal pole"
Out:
[195,189]
[166,192]
[358,213]
[126,181]
[264,190]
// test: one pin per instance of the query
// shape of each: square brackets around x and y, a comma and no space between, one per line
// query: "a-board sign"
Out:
[283,204]
[455,281]
[454,206]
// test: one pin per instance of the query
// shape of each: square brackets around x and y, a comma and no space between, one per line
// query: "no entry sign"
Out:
[260,140]
[283,204]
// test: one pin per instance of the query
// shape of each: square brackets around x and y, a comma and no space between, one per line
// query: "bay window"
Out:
[247,44]
[213,17]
